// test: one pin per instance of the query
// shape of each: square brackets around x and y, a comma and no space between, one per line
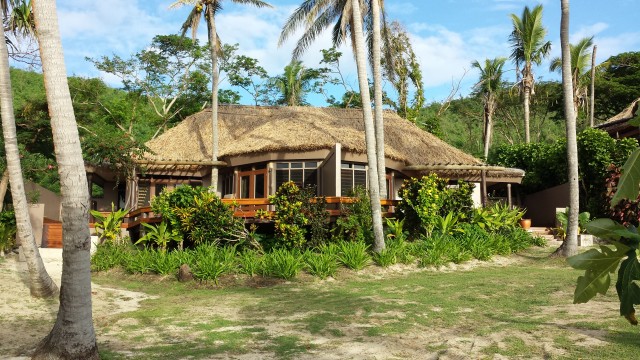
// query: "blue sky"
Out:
[447,35]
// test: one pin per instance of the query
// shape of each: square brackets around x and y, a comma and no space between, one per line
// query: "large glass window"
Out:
[301,173]
[352,175]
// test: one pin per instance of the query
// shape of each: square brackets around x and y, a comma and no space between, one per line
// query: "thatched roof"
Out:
[619,121]
[250,130]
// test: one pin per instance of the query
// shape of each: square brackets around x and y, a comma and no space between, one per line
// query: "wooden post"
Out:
[483,191]
[509,201]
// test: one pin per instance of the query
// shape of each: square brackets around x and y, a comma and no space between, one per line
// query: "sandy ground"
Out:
[24,321]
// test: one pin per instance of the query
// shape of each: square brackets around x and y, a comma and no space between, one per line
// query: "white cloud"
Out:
[587,31]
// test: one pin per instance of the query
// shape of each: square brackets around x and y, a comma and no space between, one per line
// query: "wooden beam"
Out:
[454,167]
[182,162]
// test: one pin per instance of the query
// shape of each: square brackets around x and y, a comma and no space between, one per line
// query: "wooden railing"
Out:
[246,208]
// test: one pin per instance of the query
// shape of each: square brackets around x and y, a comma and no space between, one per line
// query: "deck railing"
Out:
[246,208]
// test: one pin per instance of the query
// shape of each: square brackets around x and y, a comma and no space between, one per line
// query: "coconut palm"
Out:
[209,9]
[346,17]
[580,57]
[528,47]
[294,84]
[73,335]
[489,83]
[40,283]
[569,247]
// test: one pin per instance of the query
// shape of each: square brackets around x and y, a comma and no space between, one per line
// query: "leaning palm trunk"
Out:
[4,182]
[40,283]
[73,335]
[377,98]
[214,96]
[489,109]
[569,247]
[374,185]
[593,86]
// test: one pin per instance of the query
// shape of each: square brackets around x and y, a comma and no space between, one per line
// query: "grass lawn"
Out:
[519,310]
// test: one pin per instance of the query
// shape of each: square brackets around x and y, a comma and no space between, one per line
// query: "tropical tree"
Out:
[580,57]
[209,9]
[40,284]
[569,246]
[73,335]
[528,47]
[296,82]
[490,82]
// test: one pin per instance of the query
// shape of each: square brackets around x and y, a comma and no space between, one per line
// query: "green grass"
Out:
[528,305]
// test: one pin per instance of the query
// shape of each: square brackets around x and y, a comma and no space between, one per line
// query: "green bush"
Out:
[290,220]
[496,217]
[159,235]
[108,256]
[428,200]
[7,230]
[355,222]
[211,261]
[139,262]
[108,226]
[199,216]
[251,263]
[165,263]
[354,255]
[283,263]
[320,264]
[386,257]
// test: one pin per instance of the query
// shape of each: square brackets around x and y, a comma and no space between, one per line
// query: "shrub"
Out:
[198,215]
[320,264]
[283,263]
[139,262]
[386,257]
[355,223]
[496,217]
[7,231]
[426,201]
[159,235]
[290,219]
[395,229]
[354,255]
[108,226]
[108,256]
[211,262]
[251,262]
[165,263]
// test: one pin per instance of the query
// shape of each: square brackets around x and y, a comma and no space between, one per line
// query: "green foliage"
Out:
[617,84]
[395,229]
[211,261]
[628,185]
[322,264]
[139,262]
[251,262]
[387,257]
[108,226]
[109,255]
[198,215]
[283,263]
[354,255]
[159,236]
[166,263]
[496,217]
[427,202]
[563,220]
[290,219]
[7,230]
[355,223]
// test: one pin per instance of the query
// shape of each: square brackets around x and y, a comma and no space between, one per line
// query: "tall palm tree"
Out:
[209,9]
[294,83]
[528,48]
[489,83]
[580,57]
[569,247]
[40,283]
[73,335]
[346,17]
[318,15]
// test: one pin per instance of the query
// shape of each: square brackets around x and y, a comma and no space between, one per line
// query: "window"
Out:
[352,175]
[227,184]
[301,173]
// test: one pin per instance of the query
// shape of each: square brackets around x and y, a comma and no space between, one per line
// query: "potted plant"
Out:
[525,223]
[584,239]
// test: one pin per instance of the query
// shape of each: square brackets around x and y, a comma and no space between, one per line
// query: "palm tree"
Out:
[294,84]
[528,48]
[209,8]
[376,56]
[489,83]
[316,16]
[580,57]
[40,284]
[73,335]
[569,247]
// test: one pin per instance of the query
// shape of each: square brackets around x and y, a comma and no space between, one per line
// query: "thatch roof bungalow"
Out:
[262,147]
[618,126]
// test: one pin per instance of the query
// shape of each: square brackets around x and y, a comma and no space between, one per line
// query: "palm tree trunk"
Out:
[488,129]
[569,247]
[214,96]
[370,139]
[593,87]
[527,100]
[40,283]
[73,335]
[4,182]
[377,98]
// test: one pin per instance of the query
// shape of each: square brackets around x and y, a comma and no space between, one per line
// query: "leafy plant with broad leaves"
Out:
[600,264]
[159,235]
[108,226]
[563,220]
